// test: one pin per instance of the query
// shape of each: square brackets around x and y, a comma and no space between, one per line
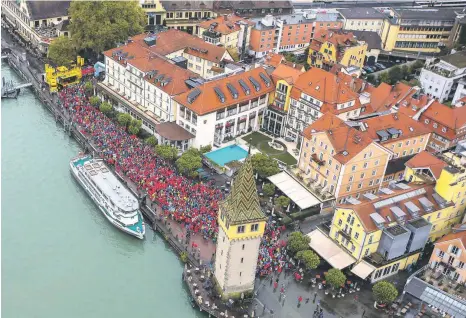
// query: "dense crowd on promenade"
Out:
[192,203]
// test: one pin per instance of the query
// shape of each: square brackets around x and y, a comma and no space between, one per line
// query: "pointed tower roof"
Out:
[242,204]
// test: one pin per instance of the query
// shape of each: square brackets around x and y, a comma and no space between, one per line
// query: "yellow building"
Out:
[330,47]
[154,10]
[284,77]
[186,15]
[241,227]
[418,30]
[387,232]
[340,160]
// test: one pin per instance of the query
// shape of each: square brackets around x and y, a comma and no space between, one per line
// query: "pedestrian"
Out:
[275,285]
[307,300]
[300,299]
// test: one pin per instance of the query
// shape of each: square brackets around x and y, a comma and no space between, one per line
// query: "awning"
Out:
[329,250]
[363,269]
[297,193]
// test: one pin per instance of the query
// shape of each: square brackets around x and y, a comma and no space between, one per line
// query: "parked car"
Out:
[363,72]
[381,66]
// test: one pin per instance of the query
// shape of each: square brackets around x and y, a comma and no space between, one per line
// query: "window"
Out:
[243,247]
[374,172]
[242,259]
[353,168]
[255,227]
[441,254]
[340,222]
[461,265]
[356,235]
[455,250]
[366,252]
[370,239]
[241,229]
[240,274]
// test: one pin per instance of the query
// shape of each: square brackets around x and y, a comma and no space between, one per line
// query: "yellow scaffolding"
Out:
[63,76]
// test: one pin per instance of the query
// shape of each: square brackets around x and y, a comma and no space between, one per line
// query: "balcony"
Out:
[424,177]
[345,235]
[312,185]
[438,279]
[317,160]
[212,35]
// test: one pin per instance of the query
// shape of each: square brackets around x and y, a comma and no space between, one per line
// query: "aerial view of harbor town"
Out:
[233,159]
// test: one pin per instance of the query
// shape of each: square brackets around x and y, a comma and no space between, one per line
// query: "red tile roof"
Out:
[336,37]
[287,73]
[346,141]
[425,159]
[461,236]
[407,126]
[323,86]
[366,207]
[226,24]
[207,100]
[171,41]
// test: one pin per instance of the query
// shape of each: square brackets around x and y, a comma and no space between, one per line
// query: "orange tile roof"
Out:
[346,141]
[226,24]
[407,126]
[207,100]
[273,59]
[327,88]
[287,73]
[454,236]
[425,159]
[451,117]
[177,76]
[366,207]
[168,42]
[336,37]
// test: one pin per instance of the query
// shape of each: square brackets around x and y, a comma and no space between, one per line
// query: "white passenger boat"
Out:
[115,201]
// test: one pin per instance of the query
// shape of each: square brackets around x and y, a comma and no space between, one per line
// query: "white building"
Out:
[37,22]
[220,110]
[440,76]
[363,19]
[460,91]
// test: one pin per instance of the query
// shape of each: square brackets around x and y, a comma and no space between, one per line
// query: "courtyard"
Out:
[260,141]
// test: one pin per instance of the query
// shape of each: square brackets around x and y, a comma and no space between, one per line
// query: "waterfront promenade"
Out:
[174,233]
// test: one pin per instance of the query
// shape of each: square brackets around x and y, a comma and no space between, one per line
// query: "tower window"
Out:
[241,229]
[255,227]
[242,259]
[240,274]
[243,246]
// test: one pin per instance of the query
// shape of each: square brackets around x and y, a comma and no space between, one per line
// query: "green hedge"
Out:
[286,220]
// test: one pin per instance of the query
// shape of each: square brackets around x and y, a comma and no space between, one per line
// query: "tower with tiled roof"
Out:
[241,227]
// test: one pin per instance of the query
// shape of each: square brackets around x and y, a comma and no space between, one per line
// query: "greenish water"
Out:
[60,256]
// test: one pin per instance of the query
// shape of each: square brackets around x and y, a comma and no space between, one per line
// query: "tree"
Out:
[105,108]
[309,258]
[405,71]
[384,292]
[95,101]
[88,87]
[133,130]
[298,242]
[395,73]
[189,162]
[166,151]
[124,119]
[205,149]
[335,277]
[136,123]
[151,141]
[62,51]
[417,65]
[100,25]
[264,165]
[269,189]
[384,77]
[371,78]
[282,201]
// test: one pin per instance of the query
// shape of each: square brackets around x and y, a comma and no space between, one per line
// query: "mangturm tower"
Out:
[241,227]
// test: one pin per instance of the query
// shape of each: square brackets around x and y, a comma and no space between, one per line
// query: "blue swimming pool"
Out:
[223,156]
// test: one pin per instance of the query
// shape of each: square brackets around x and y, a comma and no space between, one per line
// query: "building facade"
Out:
[317,92]
[241,227]
[338,159]
[449,256]
[220,110]
[37,22]
[363,19]
[186,16]
[418,30]
[440,76]
[330,47]
[290,32]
